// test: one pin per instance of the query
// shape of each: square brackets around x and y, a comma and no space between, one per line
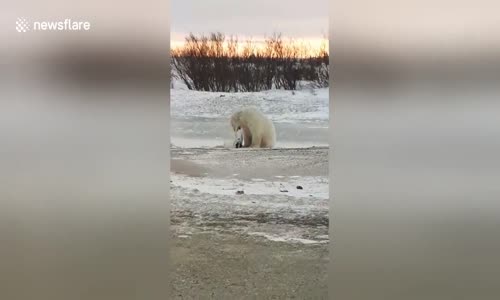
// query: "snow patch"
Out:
[287,239]
[315,186]
[279,105]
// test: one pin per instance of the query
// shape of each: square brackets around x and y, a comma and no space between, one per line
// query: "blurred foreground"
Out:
[250,223]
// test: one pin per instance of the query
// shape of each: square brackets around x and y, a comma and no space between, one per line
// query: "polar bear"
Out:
[256,130]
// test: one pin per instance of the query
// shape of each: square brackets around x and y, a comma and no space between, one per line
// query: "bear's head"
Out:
[235,122]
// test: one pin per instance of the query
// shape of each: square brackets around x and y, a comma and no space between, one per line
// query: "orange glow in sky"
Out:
[313,45]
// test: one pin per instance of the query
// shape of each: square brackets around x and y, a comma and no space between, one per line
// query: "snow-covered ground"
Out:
[279,105]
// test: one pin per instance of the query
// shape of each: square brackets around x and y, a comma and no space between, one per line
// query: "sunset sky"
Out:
[303,21]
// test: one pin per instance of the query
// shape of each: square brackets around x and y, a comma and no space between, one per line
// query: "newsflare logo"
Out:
[23,25]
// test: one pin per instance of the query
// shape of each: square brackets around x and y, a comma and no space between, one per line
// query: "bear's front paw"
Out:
[238,143]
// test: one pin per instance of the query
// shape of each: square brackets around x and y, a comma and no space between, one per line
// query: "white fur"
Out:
[258,130]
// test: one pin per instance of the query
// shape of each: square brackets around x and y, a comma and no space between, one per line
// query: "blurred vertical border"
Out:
[415,141]
[84,152]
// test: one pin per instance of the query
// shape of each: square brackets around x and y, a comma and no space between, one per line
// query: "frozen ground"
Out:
[271,242]
[284,192]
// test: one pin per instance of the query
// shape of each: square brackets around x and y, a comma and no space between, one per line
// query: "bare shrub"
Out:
[217,63]
[322,70]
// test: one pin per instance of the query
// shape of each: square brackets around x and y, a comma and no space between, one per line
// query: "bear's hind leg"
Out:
[266,143]
[256,142]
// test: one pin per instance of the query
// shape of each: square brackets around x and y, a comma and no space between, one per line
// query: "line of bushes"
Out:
[214,63]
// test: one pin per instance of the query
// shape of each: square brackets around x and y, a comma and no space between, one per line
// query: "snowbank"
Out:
[279,105]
